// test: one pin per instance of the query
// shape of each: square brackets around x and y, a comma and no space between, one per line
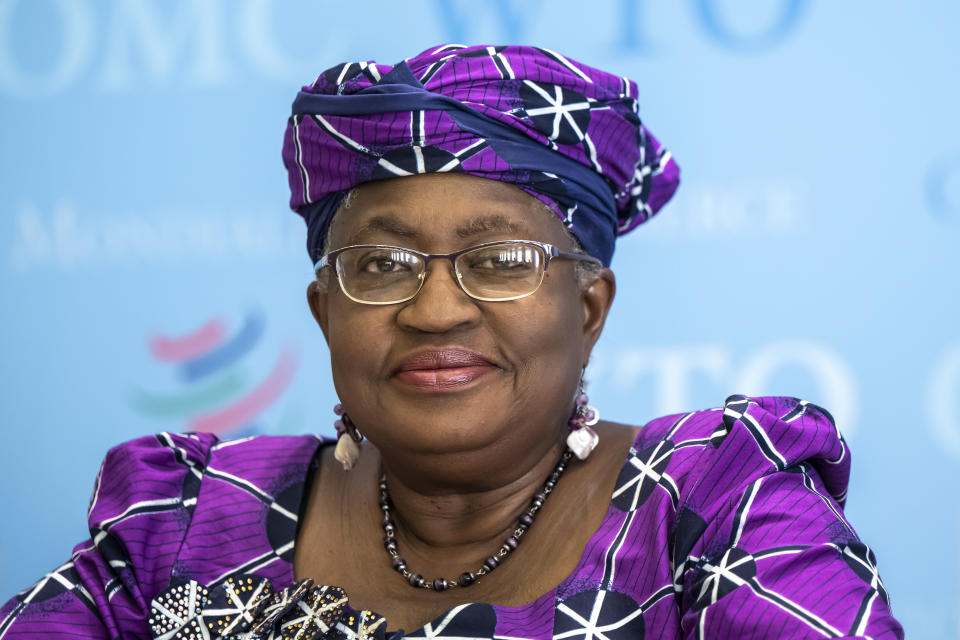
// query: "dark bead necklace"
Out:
[466,579]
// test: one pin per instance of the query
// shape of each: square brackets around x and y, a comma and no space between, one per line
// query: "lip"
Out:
[442,369]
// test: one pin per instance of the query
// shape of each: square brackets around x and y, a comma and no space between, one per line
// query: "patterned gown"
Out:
[723,523]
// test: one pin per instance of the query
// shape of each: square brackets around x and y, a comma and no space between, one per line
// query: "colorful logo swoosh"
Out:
[216,395]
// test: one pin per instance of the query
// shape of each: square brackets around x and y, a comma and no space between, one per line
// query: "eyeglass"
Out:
[491,272]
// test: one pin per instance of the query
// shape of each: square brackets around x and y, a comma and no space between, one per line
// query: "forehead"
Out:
[449,210]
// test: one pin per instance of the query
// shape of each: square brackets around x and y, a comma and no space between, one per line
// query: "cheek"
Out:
[548,339]
[358,345]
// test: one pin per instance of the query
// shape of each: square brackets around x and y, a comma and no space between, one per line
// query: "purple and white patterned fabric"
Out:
[564,132]
[725,522]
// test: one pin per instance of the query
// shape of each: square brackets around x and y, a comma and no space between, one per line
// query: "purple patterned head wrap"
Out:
[564,132]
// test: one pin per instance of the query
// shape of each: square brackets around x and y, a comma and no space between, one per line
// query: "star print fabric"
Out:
[566,133]
[724,522]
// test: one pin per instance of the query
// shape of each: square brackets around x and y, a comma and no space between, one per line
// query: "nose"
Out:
[441,305]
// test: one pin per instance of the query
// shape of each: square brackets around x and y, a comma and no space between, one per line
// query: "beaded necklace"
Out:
[524,523]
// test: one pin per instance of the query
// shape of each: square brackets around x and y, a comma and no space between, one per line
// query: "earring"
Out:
[348,449]
[582,439]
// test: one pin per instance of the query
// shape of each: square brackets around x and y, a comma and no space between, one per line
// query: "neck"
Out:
[452,517]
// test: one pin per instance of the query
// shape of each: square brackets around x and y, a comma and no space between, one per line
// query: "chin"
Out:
[439,433]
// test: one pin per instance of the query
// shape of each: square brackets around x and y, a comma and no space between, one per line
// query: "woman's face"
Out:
[445,373]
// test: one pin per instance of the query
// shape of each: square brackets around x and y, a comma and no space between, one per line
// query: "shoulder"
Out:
[166,469]
[262,466]
[146,473]
[137,517]
[748,494]
[249,502]
[149,495]
[746,438]
[153,494]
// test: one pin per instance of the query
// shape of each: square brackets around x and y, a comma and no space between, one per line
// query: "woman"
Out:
[461,209]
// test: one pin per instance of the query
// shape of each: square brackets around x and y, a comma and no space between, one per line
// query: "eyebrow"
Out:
[487,223]
[394,226]
[386,224]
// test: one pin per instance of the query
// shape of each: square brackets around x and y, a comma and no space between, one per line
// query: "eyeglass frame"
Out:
[550,252]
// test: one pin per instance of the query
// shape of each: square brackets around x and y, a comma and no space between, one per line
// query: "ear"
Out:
[597,298]
[317,300]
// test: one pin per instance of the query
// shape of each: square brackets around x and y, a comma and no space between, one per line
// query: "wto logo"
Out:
[216,394]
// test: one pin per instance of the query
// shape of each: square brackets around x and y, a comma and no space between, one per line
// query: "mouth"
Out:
[448,369]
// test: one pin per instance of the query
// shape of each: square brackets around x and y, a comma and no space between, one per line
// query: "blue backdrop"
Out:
[153,278]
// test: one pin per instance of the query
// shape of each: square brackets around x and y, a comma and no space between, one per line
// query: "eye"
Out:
[503,259]
[498,263]
[384,262]
[382,265]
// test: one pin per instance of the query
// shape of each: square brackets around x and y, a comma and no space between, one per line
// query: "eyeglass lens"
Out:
[379,274]
[387,274]
[501,272]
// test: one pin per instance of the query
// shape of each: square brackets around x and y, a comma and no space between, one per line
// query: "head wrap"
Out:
[564,132]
